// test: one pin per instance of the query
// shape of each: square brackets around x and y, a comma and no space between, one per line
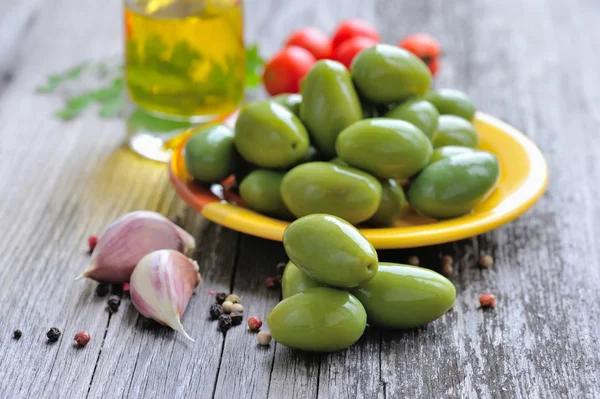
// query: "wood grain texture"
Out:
[530,63]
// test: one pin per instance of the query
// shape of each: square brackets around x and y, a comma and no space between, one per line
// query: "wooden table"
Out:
[533,64]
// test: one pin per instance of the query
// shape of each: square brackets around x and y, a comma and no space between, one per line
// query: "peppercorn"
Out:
[82,338]
[17,334]
[92,242]
[254,323]
[227,305]
[212,292]
[233,298]
[113,303]
[264,337]
[280,268]
[486,261]
[102,289]
[447,269]
[236,318]
[116,289]
[487,301]
[53,334]
[216,310]
[237,308]
[413,260]
[220,297]
[271,282]
[126,287]
[224,322]
[447,260]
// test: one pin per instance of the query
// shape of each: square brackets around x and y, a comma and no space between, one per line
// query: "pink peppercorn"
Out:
[92,241]
[254,323]
[82,338]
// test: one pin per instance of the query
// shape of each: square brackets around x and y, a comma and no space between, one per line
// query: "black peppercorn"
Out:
[280,268]
[236,318]
[102,289]
[225,322]
[116,289]
[220,297]
[17,334]
[53,334]
[113,303]
[216,310]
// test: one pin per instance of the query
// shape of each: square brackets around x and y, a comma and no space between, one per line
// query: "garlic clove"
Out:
[161,286]
[131,237]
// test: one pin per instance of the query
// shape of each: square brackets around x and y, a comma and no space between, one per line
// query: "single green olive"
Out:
[323,187]
[420,113]
[448,151]
[385,74]
[402,296]
[268,134]
[290,101]
[330,250]
[329,103]
[318,319]
[260,190]
[392,206]
[295,280]
[452,102]
[454,186]
[454,130]
[209,154]
[387,148]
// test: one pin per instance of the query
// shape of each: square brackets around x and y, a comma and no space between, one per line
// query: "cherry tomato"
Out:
[434,66]
[346,51]
[422,45]
[313,40]
[353,27]
[284,71]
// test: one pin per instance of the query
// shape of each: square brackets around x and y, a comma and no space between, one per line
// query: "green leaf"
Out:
[254,64]
[113,108]
[54,81]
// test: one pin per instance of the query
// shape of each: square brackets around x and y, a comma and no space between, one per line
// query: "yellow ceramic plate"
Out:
[523,180]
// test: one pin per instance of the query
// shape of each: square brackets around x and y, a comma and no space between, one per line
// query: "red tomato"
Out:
[353,27]
[434,66]
[422,45]
[346,51]
[284,71]
[313,40]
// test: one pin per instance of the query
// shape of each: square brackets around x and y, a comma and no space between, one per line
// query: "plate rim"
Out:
[382,238]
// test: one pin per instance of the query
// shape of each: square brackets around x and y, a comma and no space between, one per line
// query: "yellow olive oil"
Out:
[185,58]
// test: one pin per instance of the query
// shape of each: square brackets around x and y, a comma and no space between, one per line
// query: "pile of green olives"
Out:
[365,144]
[334,284]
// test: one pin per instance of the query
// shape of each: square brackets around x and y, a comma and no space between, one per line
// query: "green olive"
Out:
[295,280]
[448,151]
[454,186]
[385,74]
[393,204]
[290,101]
[329,103]
[209,154]
[318,319]
[454,130]
[268,134]
[387,148]
[420,113]
[452,102]
[402,296]
[322,187]
[330,250]
[260,190]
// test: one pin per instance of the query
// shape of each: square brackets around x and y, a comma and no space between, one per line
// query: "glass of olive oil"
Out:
[185,61]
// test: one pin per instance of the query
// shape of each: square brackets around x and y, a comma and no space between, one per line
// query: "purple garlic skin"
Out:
[128,239]
[161,287]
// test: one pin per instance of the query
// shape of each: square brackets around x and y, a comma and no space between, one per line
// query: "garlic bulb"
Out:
[161,287]
[131,237]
